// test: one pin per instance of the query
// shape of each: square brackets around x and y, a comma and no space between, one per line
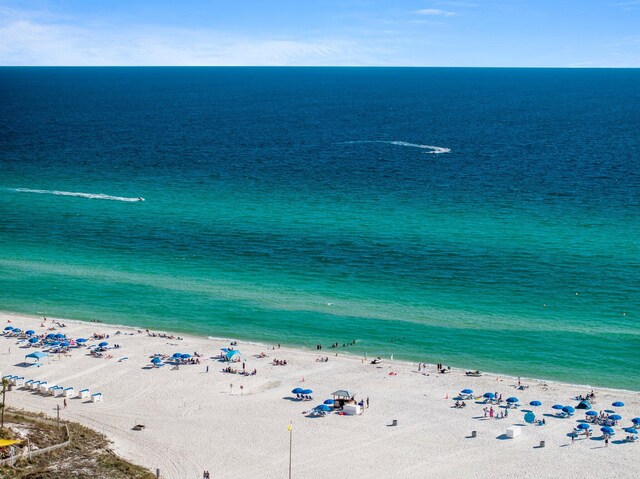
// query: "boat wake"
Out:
[433,150]
[93,196]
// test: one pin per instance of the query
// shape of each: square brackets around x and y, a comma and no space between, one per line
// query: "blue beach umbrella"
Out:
[186,356]
[615,417]
[55,343]
[489,395]
[636,420]
[64,344]
[329,402]
[607,430]
[177,355]
[535,403]
[529,418]
[583,426]
[103,344]
[33,340]
[30,332]
[307,391]
[323,407]
[60,336]
[51,336]
[297,391]
[81,340]
[618,404]
[568,410]
[466,391]
[591,413]
[557,407]
[512,400]
[17,330]
[156,360]
[631,430]
[9,328]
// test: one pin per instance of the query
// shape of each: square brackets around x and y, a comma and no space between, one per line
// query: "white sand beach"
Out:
[236,426]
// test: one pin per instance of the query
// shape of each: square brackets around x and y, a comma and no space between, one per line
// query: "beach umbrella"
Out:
[489,395]
[51,336]
[466,391]
[618,404]
[156,360]
[186,356]
[9,328]
[81,340]
[636,420]
[103,344]
[607,430]
[55,343]
[591,413]
[17,330]
[583,426]
[30,332]
[529,418]
[535,403]
[177,355]
[64,344]
[558,407]
[60,336]
[329,402]
[568,410]
[307,391]
[297,391]
[631,430]
[323,407]
[512,400]
[33,340]
[615,417]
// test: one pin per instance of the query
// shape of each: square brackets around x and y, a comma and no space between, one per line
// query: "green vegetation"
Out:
[88,455]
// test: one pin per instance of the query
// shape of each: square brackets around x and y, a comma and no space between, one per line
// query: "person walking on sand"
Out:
[65,402]
[367,403]
[207,368]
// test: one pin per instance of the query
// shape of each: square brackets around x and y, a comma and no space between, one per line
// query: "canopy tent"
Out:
[36,355]
[584,404]
[234,355]
[341,394]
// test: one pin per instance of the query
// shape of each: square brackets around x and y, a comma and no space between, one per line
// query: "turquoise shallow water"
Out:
[482,218]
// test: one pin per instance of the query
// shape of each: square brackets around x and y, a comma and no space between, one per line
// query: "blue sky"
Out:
[561,33]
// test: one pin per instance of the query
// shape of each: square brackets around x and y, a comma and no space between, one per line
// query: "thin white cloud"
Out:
[33,39]
[436,12]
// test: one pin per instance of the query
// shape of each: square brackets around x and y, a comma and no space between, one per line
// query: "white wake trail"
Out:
[93,196]
[433,150]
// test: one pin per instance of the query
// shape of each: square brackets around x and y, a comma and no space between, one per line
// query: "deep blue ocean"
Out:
[483,218]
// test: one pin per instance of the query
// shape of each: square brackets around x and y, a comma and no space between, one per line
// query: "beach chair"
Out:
[34,385]
[96,397]
[56,391]
[19,381]
[68,392]
[83,393]
[43,386]
[28,384]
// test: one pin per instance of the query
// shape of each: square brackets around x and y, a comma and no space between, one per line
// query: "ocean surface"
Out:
[483,218]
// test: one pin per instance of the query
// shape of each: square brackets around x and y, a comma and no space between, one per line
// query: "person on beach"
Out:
[606,441]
